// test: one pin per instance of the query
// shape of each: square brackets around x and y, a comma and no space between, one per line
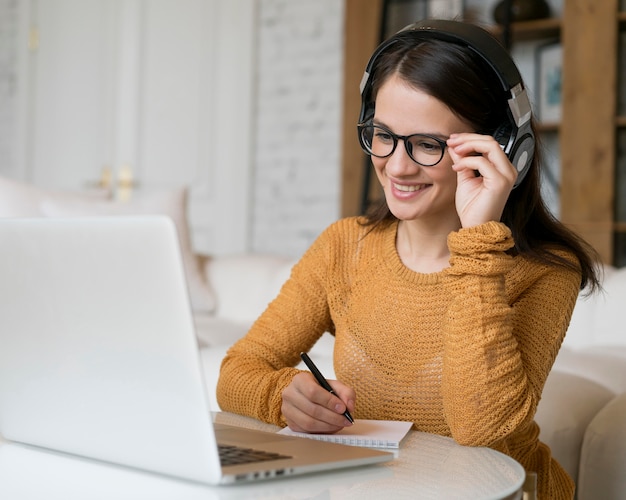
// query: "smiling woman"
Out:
[450,301]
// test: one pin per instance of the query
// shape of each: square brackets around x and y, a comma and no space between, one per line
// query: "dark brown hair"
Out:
[468,86]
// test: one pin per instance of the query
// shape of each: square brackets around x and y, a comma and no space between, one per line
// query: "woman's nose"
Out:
[400,163]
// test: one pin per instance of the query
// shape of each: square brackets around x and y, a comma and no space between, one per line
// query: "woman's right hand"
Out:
[308,407]
[480,198]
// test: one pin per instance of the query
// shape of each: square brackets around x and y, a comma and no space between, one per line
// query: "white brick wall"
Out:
[296,184]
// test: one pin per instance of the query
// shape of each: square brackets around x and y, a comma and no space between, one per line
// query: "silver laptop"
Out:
[98,356]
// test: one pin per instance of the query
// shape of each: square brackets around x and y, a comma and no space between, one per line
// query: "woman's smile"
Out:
[410,188]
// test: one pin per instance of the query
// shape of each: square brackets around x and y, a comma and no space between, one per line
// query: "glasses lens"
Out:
[377,141]
[424,150]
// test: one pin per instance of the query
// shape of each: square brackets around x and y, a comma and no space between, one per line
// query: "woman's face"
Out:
[411,190]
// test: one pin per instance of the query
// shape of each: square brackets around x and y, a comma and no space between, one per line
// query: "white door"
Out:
[160,87]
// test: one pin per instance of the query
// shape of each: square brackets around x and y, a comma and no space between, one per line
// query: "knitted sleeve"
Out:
[259,367]
[497,353]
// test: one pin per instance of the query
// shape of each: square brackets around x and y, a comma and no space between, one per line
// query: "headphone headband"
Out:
[476,39]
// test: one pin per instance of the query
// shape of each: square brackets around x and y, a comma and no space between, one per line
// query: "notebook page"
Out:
[368,433]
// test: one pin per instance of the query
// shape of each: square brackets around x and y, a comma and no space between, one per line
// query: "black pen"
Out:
[322,381]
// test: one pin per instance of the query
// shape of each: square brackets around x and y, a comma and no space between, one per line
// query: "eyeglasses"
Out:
[423,149]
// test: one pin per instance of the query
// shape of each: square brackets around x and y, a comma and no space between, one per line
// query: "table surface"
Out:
[426,467]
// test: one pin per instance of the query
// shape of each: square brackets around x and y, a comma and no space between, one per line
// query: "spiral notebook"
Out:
[368,433]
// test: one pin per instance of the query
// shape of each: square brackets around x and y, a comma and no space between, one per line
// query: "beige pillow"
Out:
[18,199]
[264,277]
[171,203]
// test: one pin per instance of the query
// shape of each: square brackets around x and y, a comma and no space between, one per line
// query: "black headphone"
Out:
[515,135]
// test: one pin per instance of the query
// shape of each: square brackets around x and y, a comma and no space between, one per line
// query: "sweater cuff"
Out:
[481,249]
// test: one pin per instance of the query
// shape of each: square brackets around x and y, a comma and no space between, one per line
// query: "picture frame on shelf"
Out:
[549,85]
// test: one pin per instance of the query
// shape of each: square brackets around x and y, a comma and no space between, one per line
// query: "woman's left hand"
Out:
[480,198]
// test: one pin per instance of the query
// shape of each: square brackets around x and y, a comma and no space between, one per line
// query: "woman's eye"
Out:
[383,137]
[428,146]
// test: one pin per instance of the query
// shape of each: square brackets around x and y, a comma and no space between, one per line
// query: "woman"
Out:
[450,302]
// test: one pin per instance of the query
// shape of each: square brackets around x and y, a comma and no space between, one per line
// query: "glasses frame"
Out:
[396,138]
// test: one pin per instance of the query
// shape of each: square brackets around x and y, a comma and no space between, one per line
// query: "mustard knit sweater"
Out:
[464,352]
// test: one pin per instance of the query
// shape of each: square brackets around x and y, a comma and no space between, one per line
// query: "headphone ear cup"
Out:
[503,136]
[519,147]
[522,154]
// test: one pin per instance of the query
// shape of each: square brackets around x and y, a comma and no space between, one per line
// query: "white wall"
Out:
[297,162]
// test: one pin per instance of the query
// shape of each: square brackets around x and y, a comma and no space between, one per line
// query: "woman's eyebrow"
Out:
[439,135]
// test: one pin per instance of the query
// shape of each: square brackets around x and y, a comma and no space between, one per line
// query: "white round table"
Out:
[427,466]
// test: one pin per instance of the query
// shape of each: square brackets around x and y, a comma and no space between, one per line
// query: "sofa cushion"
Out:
[211,361]
[603,458]
[172,203]
[568,404]
[594,315]
[581,324]
[18,199]
[604,365]
[609,327]
[245,284]
[213,331]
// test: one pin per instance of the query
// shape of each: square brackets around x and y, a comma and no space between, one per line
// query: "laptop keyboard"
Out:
[234,455]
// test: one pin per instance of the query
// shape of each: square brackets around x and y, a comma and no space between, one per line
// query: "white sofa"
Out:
[582,414]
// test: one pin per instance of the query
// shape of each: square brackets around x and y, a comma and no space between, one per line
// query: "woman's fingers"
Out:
[483,154]
[308,407]
[485,177]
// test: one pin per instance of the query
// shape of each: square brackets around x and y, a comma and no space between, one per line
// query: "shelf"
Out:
[620,121]
[533,30]
[548,126]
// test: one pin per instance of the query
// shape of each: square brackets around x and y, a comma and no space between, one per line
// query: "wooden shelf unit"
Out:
[361,32]
[588,130]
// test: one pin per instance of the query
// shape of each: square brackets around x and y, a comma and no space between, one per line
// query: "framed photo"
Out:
[549,71]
